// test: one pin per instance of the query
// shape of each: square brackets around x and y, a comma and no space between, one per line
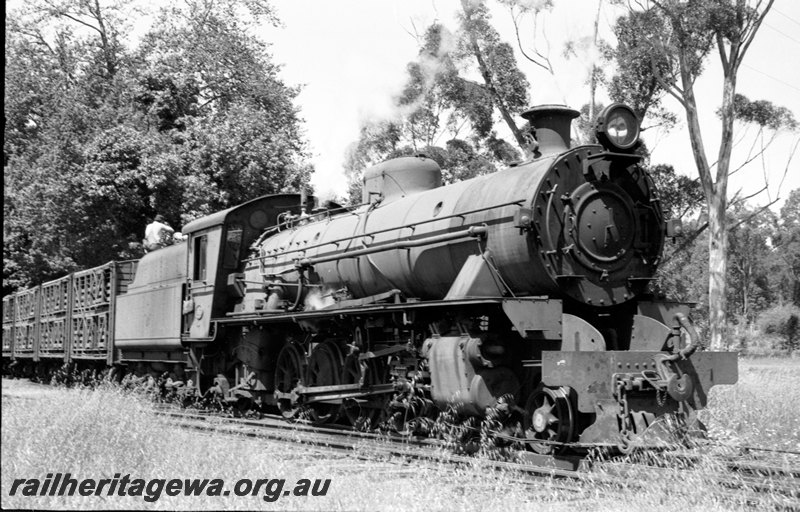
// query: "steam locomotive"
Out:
[522,290]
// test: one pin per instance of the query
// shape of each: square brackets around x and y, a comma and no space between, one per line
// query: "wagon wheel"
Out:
[364,412]
[324,369]
[549,417]
[289,370]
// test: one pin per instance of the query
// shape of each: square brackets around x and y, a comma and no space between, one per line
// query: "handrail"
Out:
[373,233]
[471,232]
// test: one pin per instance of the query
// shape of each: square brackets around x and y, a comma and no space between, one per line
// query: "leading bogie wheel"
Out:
[549,420]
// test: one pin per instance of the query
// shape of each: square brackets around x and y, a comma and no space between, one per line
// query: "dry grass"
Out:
[762,409]
[97,434]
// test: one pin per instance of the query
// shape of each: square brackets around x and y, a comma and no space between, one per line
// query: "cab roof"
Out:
[219,218]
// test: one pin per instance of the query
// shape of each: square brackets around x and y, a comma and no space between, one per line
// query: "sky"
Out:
[350,58]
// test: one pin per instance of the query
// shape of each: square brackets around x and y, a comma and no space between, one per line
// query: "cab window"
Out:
[233,244]
[200,249]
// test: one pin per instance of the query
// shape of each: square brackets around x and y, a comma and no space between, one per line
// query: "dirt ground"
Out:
[24,388]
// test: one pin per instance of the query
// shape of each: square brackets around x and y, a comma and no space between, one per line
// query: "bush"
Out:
[783,322]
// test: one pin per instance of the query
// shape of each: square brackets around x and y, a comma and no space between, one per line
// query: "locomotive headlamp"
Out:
[617,128]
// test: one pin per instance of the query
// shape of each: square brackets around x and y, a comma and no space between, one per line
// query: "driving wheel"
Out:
[364,412]
[289,370]
[325,369]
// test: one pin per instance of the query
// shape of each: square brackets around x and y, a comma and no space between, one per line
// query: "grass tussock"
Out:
[95,434]
[100,433]
[762,409]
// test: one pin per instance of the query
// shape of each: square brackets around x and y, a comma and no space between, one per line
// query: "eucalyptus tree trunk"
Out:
[491,86]
[717,270]
[486,74]
[716,193]
[717,205]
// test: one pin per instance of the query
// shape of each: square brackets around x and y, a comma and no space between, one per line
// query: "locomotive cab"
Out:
[217,245]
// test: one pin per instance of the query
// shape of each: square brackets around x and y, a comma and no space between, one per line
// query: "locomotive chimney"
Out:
[551,125]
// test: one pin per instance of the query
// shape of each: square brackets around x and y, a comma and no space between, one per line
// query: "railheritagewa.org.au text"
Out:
[151,490]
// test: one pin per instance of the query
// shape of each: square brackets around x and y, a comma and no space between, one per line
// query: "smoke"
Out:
[319,299]
[326,195]
[431,66]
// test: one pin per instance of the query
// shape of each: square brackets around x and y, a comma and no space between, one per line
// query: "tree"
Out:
[101,135]
[209,77]
[520,9]
[503,81]
[211,44]
[749,290]
[636,79]
[769,121]
[676,55]
[787,249]
[65,76]
[684,271]
[680,195]
[229,157]
[439,103]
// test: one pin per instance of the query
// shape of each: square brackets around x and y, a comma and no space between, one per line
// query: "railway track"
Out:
[759,477]
[755,481]
[742,475]
[367,445]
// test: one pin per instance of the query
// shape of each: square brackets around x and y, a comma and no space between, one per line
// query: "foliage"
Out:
[762,251]
[783,321]
[102,134]
[503,81]
[680,37]
[683,274]
[786,258]
[762,113]
[232,156]
[680,195]
[636,80]
[209,44]
[749,287]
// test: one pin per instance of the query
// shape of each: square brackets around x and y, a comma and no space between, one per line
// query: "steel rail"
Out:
[350,441]
[613,475]
[753,488]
